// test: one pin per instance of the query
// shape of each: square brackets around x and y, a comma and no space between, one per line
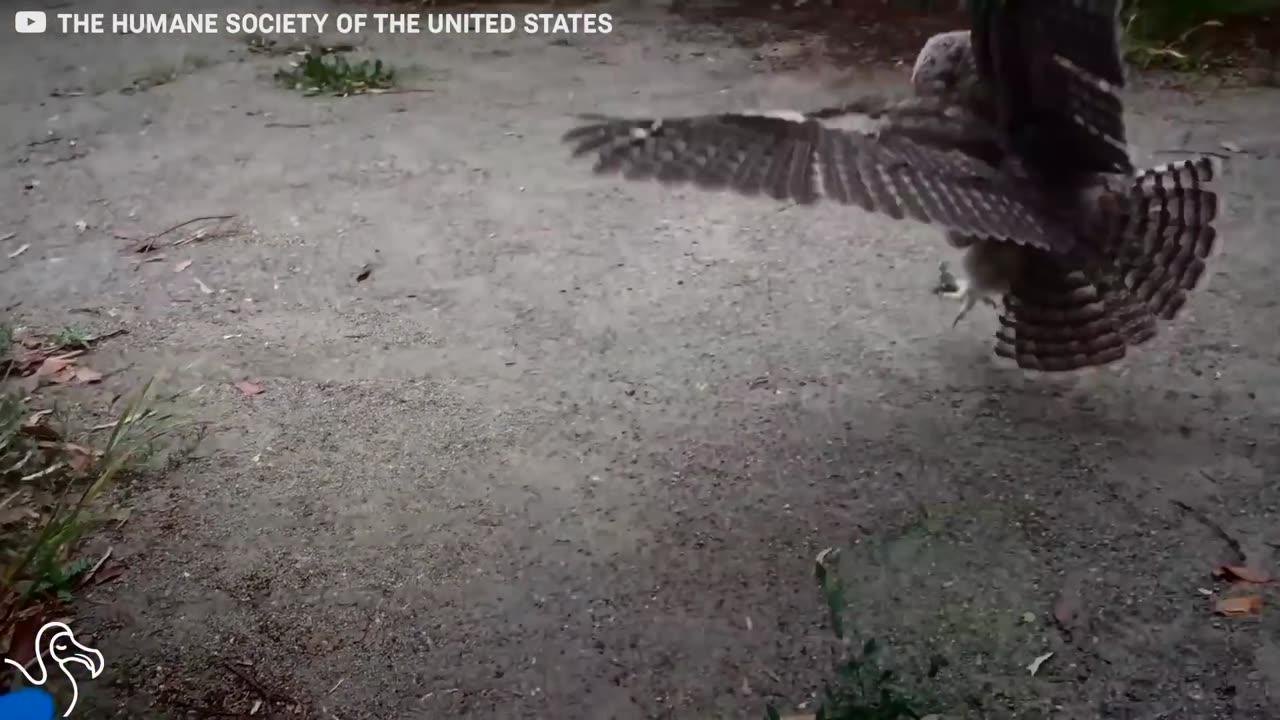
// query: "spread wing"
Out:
[906,171]
[1057,71]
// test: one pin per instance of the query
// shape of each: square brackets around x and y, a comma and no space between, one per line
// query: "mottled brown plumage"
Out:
[1014,144]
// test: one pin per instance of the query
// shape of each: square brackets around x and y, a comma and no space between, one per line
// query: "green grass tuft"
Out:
[50,488]
[862,689]
[321,73]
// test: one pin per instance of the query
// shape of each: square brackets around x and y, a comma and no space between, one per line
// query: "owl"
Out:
[1013,142]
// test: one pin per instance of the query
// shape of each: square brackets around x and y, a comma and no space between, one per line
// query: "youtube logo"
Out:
[29,21]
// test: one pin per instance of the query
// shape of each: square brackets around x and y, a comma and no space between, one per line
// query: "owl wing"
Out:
[905,171]
[1056,70]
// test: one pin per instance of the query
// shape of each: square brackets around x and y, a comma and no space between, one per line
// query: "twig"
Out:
[5,503]
[1217,529]
[204,709]
[148,243]
[1214,153]
[397,91]
[69,158]
[108,336]
[84,581]
[287,125]
[264,693]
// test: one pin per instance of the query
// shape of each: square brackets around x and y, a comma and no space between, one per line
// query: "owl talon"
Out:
[970,300]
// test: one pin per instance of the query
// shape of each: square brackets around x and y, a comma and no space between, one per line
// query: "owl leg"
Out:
[962,289]
[969,298]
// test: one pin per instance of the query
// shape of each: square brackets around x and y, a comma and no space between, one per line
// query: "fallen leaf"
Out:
[1234,573]
[9,516]
[364,273]
[52,366]
[87,376]
[22,644]
[65,376]
[112,571]
[81,226]
[36,427]
[21,249]
[1231,147]
[1242,606]
[204,288]
[121,516]
[79,457]
[182,266]
[1034,667]
[249,389]
[85,578]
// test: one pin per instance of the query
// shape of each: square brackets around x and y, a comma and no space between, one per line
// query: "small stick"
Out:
[97,566]
[1214,153]
[148,243]
[1217,529]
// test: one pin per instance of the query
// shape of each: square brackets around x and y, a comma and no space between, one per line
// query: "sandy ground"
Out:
[571,449]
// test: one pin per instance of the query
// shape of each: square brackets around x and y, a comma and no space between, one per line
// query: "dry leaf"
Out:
[23,641]
[1243,606]
[121,516]
[9,516]
[79,457]
[1066,609]
[1234,573]
[249,389]
[65,376]
[52,366]
[108,573]
[204,288]
[182,266]
[1034,667]
[36,427]
[87,376]
[84,579]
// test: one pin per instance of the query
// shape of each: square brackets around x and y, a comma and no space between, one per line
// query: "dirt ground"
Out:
[570,449]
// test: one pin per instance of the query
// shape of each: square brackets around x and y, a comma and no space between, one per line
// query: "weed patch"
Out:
[52,492]
[862,688]
[322,73]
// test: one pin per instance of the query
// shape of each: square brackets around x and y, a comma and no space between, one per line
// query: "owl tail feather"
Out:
[1170,235]
[1059,318]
